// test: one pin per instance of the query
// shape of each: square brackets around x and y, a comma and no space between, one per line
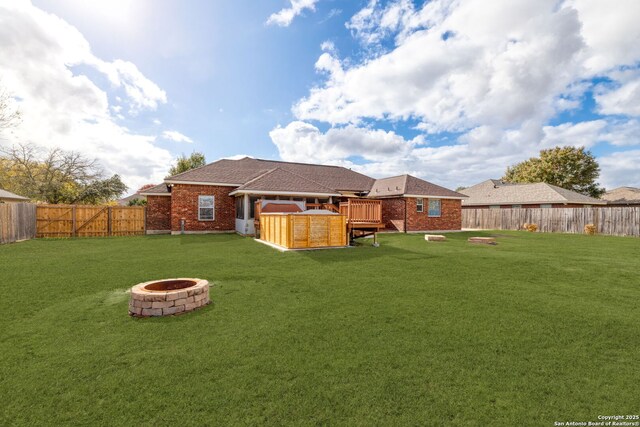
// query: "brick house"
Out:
[496,194]
[220,196]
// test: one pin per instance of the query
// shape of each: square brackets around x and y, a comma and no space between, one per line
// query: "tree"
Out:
[9,116]
[460,188]
[56,176]
[573,168]
[184,163]
[137,202]
[145,187]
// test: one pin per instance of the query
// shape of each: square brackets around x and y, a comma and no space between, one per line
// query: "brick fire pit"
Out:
[167,297]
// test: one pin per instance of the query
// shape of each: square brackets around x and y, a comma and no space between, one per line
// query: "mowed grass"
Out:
[537,329]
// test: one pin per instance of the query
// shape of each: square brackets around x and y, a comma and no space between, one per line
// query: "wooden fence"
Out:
[615,221]
[17,222]
[89,221]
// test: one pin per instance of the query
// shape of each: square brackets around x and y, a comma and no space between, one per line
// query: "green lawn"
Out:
[537,329]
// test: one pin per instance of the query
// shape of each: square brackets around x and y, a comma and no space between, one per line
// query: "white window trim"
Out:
[419,204]
[213,207]
[429,213]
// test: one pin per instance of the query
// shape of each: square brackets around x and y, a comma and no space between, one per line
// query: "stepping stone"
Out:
[483,240]
[434,238]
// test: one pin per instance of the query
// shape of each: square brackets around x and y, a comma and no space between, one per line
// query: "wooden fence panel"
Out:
[89,221]
[126,221]
[615,221]
[17,222]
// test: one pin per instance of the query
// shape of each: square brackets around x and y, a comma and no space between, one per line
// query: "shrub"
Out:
[590,229]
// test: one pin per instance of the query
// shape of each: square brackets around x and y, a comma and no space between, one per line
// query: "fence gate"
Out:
[89,221]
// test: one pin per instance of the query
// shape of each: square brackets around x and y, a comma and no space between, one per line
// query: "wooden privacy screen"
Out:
[17,222]
[89,221]
[299,231]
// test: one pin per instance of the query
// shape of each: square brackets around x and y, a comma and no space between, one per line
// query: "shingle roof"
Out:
[4,194]
[239,172]
[622,195]
[410,185]
[494,192]
[157,190]
[282,180]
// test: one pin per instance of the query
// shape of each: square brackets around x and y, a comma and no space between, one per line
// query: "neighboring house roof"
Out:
[158,190]
[407,185]
[622,196]
[239,172]
[495,192]
[125,200]
[7,195]
[280,181]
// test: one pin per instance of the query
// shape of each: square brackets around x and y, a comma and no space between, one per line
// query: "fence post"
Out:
[74,224]
[109,221]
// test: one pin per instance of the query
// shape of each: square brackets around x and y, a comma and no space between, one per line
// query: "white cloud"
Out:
[300,141]
[622,97]
[585,134]
[285,17]
[622,133]
[611,33]
[176,136]
[503,65]
[142,92]
[620,169]
[495,72]
[62,107]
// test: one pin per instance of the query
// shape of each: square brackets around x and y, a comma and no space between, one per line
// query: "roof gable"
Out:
[281,180]
[408,185]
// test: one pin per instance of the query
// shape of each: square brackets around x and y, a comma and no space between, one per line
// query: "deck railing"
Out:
[362,211]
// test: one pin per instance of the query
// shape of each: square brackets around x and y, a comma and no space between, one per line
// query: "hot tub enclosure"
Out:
[305,230]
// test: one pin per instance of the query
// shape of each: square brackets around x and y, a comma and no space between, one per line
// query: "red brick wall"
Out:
[393,215]
[158,212]
[450,216]
[184,204]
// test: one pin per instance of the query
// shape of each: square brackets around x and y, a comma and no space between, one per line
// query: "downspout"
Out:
[405,214]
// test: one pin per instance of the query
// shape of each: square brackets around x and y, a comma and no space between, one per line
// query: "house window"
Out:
[546,206]
[494,207]
[434,207]
[516,206]
[419,205]
[240,207]
[205,208]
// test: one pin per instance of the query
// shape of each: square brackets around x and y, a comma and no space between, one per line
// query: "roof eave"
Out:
[284,193]
[217,184]
[425,196]
[154,194]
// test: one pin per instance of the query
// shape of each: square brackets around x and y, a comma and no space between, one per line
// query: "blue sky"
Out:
[451,91]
